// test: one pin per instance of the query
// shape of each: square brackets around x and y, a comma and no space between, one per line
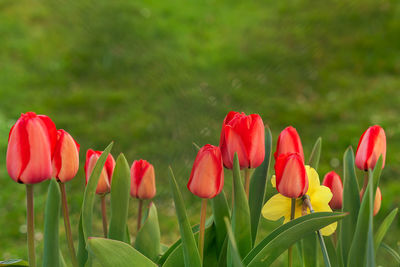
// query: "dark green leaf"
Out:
[391,251]
[266,252]
[13,262]
[330,247]
[220,210]
[313,161]
[120,188]
[114,253]
[190,253]
[383,228]
[82,252]
[51,252]
[310,250]
[236,260]
[258,185]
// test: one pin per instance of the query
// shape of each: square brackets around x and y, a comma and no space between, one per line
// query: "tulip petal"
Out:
[234,144]
[256,137]
[69,156]
[147,187]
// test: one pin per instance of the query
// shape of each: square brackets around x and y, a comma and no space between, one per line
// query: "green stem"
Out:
[292,213]
[31,225]
[202,227]
[140,211]
[67,225]
[247,181]
[306,200]
[104,214]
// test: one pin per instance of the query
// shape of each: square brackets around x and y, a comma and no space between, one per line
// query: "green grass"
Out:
[154,76]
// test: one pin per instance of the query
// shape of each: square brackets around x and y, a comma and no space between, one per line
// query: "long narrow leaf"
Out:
[313,161]
[330,247]
[14,262]
[51,252]
[258,185]
[236,260]
[120,187]
[383,228]
[82,254]
[190,252]
[220,210]
[391,251]
[310,250]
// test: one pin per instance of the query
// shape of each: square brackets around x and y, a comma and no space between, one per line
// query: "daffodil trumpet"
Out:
[202,227]
[30,225]
[104,214]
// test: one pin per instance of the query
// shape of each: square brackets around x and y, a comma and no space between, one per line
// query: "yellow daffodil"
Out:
[279,206]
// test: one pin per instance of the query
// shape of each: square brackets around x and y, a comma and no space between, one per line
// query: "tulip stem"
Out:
[202,227]
[31,225]
[104,213]
[292,214]
[140,211]
[306,200]
[67,225]
[247,181]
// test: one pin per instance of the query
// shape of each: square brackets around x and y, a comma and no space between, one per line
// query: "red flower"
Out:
[333,181]
[245,136]
[143,183]
[372,144]
[207,176]
[66,157]
[378,199]
[31,144]
[291,175]
[104,184]
[289,142]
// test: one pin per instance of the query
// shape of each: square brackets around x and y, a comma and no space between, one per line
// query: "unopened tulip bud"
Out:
[334,183]
[371,146]
[291,175]
[66,157]
[143,184]
[207,176]
[289,142]
[31,144]
[245,136]
[104,184]
[378,199]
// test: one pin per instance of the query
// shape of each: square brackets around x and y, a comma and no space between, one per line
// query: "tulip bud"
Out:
[104,184]
[31,144]
[66,157]
[245,136]
[334,183]
[291,175]
[143,185]
[371,146]
[289,142]
[207,176]
[378,199]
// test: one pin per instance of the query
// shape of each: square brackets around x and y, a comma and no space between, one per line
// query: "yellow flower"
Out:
[279,206]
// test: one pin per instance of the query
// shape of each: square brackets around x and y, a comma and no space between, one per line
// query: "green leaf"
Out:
[148,238]
[82,254]
[90,190]
[391,251]
[383,228]
[330,247]
[62,260]
[241,225]
[351,204]
[16,262]
[310,250]
[51,252]
[236,260]
[120,188]
[313,161]
[190,253]
[258,183]
[269,249]
[220,210]
[112,253]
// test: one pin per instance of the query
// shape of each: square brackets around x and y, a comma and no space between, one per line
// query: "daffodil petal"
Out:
[297,211]
[313,180]
[277,206]
[328,230]
[320,199]
[273,181]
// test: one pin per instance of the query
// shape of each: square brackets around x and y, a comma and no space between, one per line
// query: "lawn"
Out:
[155,76]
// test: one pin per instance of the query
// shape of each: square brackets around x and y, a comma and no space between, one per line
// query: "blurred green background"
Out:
[155,76]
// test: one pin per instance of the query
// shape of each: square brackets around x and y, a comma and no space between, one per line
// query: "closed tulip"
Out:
[378,199]
[371,146]
[334,183]
[245,136]
[104,184]
[31,145]
[143,185]
[289,142]
[207,176]
[66,157]
[291,176]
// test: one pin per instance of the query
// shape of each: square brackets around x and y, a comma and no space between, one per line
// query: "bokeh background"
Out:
[155,76]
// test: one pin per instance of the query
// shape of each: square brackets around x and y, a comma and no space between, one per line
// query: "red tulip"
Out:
[378,199]
[207,176]
[143,185]
[66,157]
[31,144]
[291,175]
[245,136]
[289,142]
[372,144]
[104,184]
[333,181]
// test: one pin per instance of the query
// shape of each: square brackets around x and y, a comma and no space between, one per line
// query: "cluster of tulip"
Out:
[38,152]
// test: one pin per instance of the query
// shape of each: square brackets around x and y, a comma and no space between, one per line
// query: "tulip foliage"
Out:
[230,235]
